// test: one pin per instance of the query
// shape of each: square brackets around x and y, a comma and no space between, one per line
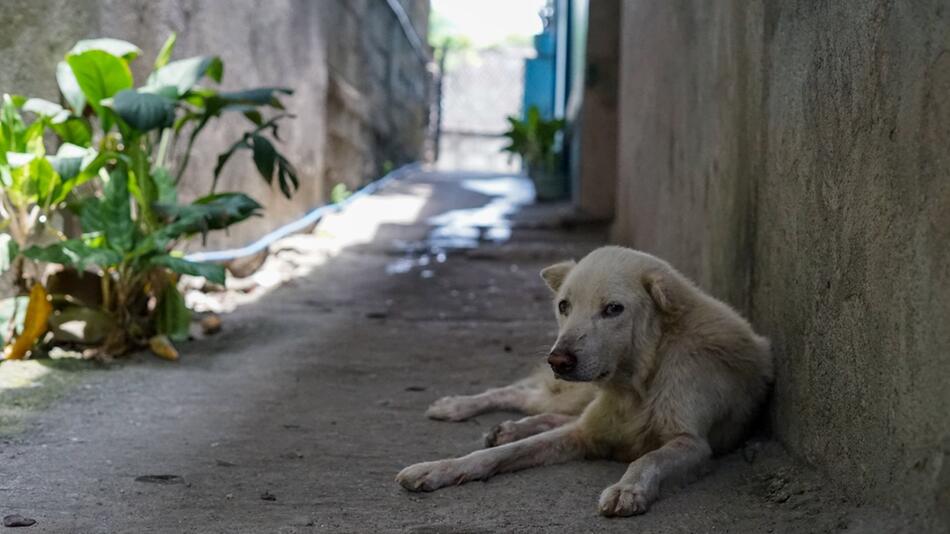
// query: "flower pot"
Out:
[549,184]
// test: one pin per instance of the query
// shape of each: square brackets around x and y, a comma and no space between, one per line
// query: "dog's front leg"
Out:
[551,447]
[640,485]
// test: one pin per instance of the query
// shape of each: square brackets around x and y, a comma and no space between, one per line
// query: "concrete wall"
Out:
[794,158]
[596,170]
[361,91]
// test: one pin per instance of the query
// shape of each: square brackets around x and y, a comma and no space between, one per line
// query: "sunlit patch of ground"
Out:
[28,386]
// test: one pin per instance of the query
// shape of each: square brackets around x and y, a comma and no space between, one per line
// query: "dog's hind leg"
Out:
[554,446]
[517,397]
[510,431]
[539,393]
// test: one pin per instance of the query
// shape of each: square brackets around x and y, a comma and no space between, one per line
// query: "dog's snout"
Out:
[562,361]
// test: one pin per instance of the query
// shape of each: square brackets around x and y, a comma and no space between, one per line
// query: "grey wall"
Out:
[794,158]
[351,118]
[596,184]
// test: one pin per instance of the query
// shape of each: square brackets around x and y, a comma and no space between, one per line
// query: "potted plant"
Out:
[128,147]
[535,140]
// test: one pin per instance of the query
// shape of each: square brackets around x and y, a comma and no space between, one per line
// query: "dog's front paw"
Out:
[428,476]
[623,500]
[450,409]
[502,433]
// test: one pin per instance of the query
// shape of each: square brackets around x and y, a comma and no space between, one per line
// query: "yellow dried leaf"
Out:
[162,347]
[34,324]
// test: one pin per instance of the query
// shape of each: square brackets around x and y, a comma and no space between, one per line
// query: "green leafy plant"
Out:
[534,139]
[32,183]
[134,145]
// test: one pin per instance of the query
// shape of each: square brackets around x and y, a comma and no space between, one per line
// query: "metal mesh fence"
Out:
[479,89]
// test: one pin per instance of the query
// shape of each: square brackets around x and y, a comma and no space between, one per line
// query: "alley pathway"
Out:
[297,416]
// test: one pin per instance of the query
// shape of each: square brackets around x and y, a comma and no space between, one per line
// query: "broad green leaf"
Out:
[168,91]
[75,130]
[111,215]
[165,54]
[100,75]
[65,166]
[141,184]
[94,162]
[211,271]
[72,150]
[12,127]
[213,212]
[167,191]
[69,87]
[45,108]
[19,159]
[253,115]
[115,47]
[68,163]
[144,111]
[115,208]
[35,180]
[172,317]
[265,157]
[33,138]
[260,96]
[185,73]
[74,252]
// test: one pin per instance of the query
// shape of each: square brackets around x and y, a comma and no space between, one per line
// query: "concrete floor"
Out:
[298,415]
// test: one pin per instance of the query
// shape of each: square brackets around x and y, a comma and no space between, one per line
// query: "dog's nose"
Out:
[562,361]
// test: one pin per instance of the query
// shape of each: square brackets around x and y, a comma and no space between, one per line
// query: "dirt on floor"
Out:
[297,416]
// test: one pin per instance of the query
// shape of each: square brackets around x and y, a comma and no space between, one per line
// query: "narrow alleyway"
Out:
[298,415]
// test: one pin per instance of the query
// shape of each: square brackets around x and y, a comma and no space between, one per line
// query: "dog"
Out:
[647,369]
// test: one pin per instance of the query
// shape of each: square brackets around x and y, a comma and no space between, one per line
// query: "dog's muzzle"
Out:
[563,362]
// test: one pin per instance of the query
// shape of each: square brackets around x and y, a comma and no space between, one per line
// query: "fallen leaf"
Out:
[162,347]
[210,324]
[34,325]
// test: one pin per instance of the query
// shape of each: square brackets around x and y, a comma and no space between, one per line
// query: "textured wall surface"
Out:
[596,184]
[349,121]
[794,159]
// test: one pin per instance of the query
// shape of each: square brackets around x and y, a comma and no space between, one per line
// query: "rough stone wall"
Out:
[792,157]
[347,125]
[378,91]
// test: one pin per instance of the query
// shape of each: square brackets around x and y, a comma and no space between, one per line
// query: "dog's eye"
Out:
[564,307]
[613,309]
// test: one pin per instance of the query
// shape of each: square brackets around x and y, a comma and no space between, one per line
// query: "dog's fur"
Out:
[671,379]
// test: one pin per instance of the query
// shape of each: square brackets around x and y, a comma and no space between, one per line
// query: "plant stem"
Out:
[162,148]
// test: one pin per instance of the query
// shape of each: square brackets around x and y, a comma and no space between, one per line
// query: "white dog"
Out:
[661,375]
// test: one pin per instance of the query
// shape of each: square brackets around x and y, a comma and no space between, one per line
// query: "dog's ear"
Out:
[554,275]
[662,293]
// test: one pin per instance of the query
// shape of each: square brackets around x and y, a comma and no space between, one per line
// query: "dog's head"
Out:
[610,308]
